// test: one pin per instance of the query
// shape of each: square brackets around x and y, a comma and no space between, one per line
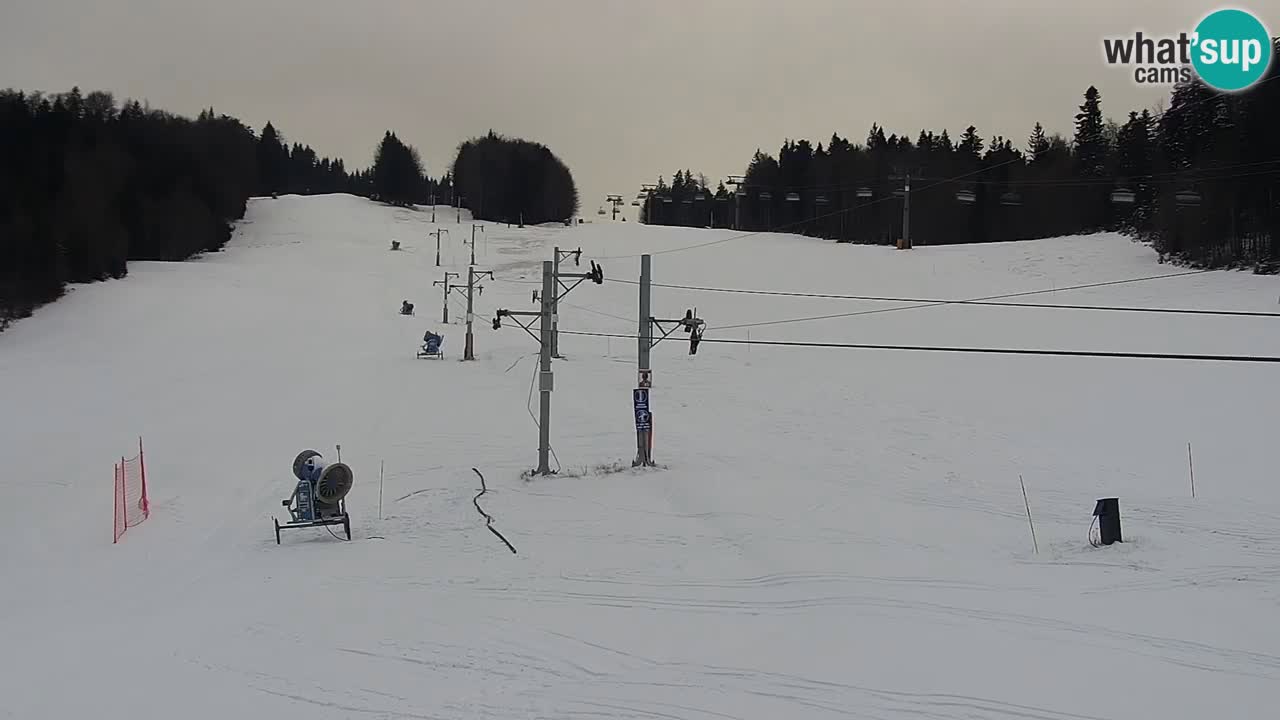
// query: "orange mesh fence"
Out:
[131,504]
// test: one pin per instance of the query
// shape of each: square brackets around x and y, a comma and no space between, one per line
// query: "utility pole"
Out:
[447,288]
[436,235]
[641,400]
[473,241]
[644,373]
[906,214]
[545,382]
[548,299]
[545,378]
[470,352]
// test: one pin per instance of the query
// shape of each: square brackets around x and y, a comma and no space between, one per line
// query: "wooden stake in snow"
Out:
[1026,502]
[1191,466]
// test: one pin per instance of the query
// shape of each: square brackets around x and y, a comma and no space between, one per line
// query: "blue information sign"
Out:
[640,398]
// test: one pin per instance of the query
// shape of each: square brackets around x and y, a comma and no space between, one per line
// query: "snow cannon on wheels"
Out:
[431,346]
[319,498]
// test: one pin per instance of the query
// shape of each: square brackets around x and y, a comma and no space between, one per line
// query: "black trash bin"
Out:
[1108,513]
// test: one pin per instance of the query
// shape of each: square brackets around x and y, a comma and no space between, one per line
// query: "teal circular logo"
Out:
[1231,50]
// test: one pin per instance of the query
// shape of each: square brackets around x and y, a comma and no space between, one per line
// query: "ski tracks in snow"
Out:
[828,596]
[644,687]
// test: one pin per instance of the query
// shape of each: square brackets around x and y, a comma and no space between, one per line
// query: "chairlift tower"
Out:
[616,201]
[737,182]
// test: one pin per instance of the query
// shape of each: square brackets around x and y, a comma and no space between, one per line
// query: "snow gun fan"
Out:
[432,346]
[319,497]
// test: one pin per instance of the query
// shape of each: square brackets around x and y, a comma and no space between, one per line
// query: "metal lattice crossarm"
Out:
[596,276]
[666,332]
[565,254]
[690,323]
[515,315]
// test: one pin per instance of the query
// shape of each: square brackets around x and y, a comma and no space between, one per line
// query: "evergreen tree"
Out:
[397,172]
[970,147]
[1092,160]
[1090,139]
[273,161]
[1037,143]
[508,179]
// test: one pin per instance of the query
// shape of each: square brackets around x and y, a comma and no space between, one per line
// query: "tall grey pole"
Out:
[644,372]
[545,382]
[906,213]
[469,352]
[555,306]
[645,331]
[445,286]
[473,241]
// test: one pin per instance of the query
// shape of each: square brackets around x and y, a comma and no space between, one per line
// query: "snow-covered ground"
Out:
[835,533]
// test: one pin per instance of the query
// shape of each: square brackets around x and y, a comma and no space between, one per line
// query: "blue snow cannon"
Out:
[319,496]
[431,343]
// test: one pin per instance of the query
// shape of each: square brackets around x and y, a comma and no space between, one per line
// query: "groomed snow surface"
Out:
[835,533]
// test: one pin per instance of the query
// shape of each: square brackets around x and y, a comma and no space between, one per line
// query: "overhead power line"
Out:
[598,312]
[969,300]
[938,301]
[975,350]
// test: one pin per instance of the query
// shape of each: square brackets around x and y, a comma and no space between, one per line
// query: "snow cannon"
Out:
[329,483]
[319,497]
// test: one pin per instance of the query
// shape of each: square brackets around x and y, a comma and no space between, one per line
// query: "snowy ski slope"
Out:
[837,533]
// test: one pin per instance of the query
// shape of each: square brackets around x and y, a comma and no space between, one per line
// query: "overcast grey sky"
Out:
[622,90]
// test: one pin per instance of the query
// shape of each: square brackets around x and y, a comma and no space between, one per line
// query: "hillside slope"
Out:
[834,533]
